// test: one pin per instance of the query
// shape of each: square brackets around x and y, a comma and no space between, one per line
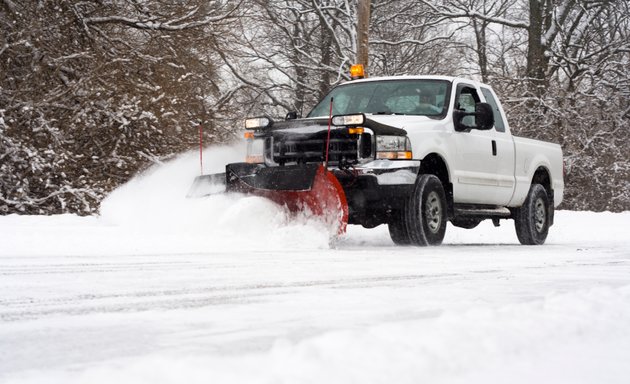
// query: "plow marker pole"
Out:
[201,149]
[328,137]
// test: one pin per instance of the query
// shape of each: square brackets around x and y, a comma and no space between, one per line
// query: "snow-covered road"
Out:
[229,290]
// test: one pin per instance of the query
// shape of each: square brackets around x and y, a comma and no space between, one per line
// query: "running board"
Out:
[483,212]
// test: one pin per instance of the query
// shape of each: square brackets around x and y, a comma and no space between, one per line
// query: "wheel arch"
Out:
[535,171]
[542,176]
[434,164]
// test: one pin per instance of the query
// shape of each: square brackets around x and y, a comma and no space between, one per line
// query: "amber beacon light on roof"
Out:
[357,72]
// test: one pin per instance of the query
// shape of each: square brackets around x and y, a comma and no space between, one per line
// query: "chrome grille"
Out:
[343,148]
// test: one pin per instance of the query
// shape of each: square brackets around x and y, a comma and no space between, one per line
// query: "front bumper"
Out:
[376,189]
[390,172]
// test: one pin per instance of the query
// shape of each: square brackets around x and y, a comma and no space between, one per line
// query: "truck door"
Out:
[478,175]
[504,149]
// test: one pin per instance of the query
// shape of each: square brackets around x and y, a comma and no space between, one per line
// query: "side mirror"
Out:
[291,115]
[484,118]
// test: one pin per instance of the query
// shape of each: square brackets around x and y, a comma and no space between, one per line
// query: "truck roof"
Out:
[415,77]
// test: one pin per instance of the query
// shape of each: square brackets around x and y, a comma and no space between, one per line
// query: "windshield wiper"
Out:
[388,113]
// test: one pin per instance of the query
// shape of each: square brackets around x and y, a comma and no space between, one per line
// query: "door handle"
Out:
[494,148]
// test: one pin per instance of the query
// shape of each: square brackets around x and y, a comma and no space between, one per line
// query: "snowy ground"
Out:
[160,289]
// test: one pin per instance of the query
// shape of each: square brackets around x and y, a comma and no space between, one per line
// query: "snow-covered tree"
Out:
[290,53]
[91,92]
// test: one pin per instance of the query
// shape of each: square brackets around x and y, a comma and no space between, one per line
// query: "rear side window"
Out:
[499,125]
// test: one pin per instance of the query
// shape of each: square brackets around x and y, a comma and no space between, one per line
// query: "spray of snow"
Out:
[153,206]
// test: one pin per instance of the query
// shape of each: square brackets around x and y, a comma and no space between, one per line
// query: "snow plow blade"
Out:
[206,185]
[301,188]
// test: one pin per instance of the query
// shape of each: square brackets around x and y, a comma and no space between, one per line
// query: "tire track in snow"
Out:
[138,301]
[33,308]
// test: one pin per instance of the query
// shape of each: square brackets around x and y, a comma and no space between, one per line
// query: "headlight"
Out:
[358,119]
[257,122]
[393,147]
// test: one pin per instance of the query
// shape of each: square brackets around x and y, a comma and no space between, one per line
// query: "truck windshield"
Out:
[383,97]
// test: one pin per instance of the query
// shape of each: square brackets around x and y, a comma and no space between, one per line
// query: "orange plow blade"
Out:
[325,199]
[308,188]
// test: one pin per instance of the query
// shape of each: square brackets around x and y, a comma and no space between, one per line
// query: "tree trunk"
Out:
[363,25]
[480,35]
[536,60]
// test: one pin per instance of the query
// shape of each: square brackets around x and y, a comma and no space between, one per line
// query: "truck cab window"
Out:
[499,125]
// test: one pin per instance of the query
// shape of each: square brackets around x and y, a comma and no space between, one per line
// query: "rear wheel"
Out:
[425,213]
[531,220]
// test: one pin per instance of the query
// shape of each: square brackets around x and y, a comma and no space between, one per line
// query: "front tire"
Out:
[398,229]
[532,219]
[425,213]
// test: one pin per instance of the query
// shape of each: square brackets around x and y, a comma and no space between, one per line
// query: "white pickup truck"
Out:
[412,152]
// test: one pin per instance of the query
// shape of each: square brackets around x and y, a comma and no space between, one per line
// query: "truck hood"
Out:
[404,121]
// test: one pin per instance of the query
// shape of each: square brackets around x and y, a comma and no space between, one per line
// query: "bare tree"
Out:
[408,40]
[296,50]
